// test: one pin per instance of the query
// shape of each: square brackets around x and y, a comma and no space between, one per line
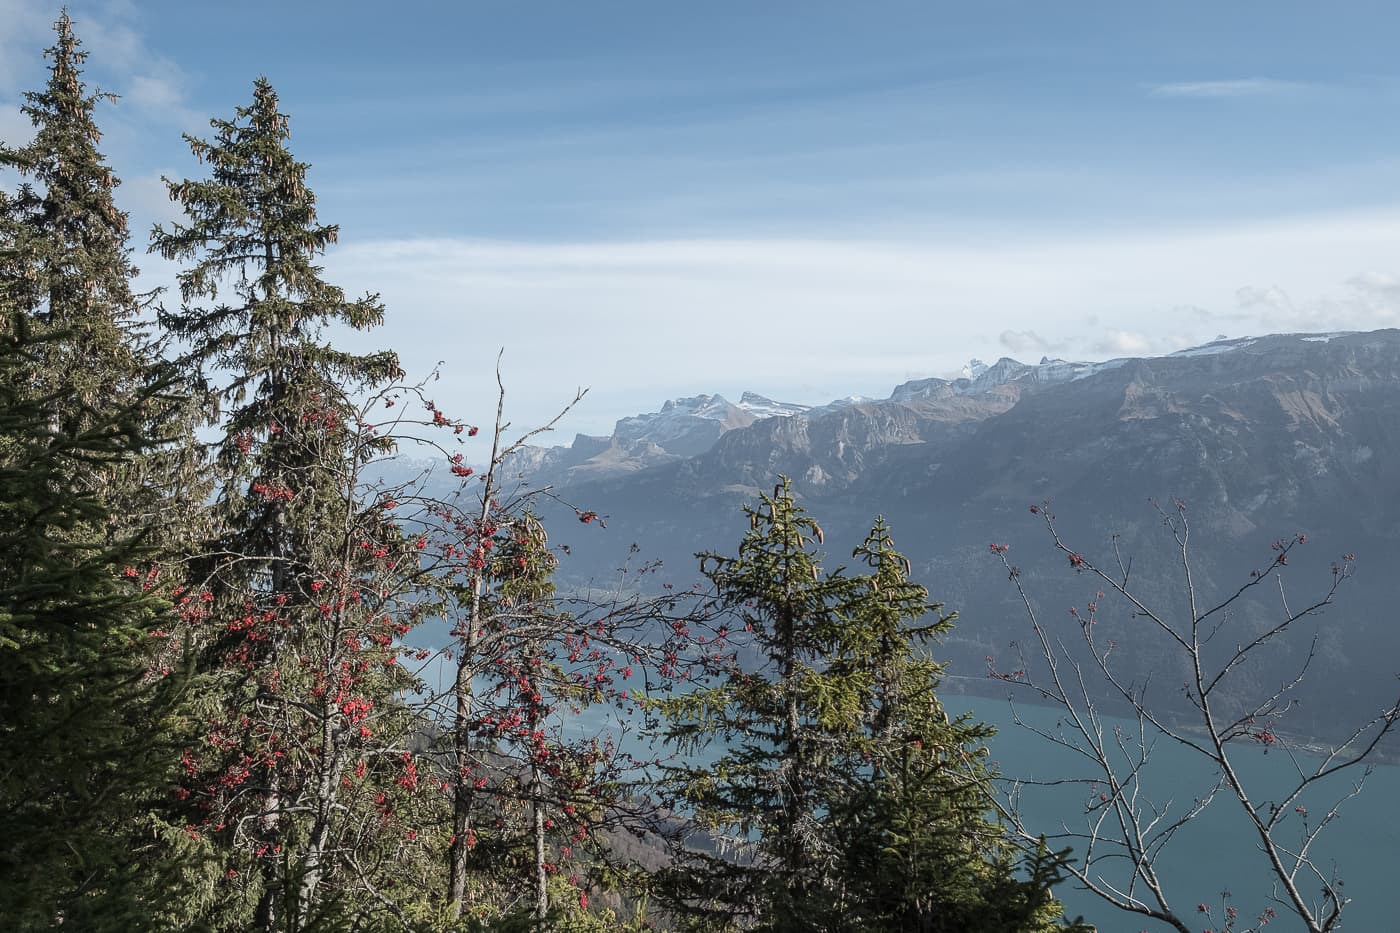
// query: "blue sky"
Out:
[809,200]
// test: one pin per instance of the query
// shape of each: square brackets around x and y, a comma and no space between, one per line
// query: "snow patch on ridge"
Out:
[762,407]
[972,369]
[680,417]
[1219,345]
[1003,372]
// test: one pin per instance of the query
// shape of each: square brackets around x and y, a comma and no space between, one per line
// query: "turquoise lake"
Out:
[1217,851]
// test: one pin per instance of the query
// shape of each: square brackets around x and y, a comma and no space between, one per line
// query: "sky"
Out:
[808,200]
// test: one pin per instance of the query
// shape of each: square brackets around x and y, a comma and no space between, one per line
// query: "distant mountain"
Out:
[684,427]
[689,427]
[1261,437]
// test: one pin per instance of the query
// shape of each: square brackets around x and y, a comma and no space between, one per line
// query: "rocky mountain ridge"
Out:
[690,427]
[1260,437]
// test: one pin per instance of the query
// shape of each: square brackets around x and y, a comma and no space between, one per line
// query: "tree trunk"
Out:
[313,864]
[541,875]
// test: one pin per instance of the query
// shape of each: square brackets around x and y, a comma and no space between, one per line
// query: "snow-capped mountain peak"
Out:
[684,426]
[972,369]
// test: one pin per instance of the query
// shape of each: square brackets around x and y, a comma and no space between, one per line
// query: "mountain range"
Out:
[688,427]
[1259,438]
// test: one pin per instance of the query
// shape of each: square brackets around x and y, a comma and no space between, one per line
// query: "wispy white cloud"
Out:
[811,320]
[163,98]
[1365,301]
[1128,343]
[22,38]
[1027,341]
[1242,87]
[1262,298]
[574,86]
[1378,283]
[153,86]
[148,199]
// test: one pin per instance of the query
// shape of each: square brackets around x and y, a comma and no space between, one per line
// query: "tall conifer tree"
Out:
[66,265]
[287,518]
[83,749]
[777,726]
[918,850]
[839,795]
[68,241]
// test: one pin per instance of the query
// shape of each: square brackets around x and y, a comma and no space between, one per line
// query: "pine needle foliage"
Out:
[66,249]
[774,728]
[84,750]
[827,789]
[297,574]
[253,230]
[920,851]
[66,266]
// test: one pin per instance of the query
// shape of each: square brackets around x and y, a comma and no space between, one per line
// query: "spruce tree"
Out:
[919,851]
[90,491]
[294,574]
[774,728]
[69,264]
[829,788]
[83,727]
[66,265]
